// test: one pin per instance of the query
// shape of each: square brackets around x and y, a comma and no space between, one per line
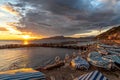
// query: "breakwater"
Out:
[52,45]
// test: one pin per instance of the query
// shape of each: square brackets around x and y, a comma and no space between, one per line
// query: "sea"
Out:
[32,57]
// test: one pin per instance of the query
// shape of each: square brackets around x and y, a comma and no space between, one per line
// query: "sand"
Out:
[68,73]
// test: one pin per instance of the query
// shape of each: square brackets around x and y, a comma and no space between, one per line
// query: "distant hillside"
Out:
[59,37]
[112,34]
[63,37]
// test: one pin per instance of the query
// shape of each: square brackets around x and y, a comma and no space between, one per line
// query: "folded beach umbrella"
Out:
[95,75]
[22,74]
[79,63]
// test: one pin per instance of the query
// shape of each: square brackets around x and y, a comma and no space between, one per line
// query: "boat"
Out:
[96,59]
[55,65]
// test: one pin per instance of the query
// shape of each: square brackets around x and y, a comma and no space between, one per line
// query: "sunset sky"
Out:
[22,19]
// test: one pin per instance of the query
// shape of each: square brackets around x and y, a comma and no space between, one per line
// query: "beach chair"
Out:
[111,52]
[95,75]
[79,63]
[22,74]
[113,58]
[96,59]
[102,51]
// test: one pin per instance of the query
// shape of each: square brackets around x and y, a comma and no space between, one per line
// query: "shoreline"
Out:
[66,72]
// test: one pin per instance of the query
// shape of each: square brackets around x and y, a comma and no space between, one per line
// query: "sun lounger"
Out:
[113,52]
[95,75]
[79,63]
[113,58]
[22,74]
[116,50]
[108,46]
[102,51]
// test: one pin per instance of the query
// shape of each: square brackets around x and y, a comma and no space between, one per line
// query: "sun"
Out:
[26,37]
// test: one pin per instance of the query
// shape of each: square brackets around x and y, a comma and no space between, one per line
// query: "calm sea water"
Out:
[33,57]
[28,57]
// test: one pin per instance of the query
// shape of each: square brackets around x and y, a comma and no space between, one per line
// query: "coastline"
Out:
[66,72]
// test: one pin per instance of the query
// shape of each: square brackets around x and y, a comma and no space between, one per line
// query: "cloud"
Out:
[8,8]
[2,14]
[68,17]
[89,33]
[3,29]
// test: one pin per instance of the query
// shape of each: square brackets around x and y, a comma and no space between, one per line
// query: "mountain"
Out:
[112,34]
[63,37]
[59,37]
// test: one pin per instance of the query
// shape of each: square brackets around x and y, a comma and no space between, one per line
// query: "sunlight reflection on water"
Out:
[26,42]
[33,57]
[12,59]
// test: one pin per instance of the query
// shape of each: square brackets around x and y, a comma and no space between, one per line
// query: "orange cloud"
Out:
[3,29]
[10,9]
[10,32]
[11,29]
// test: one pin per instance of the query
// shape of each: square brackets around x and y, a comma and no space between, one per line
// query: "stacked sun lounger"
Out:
[22,74]
[113,58]
[95,75]
[79,63]
[111,52]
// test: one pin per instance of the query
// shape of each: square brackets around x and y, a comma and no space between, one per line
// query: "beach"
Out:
[40,62]
[67,72]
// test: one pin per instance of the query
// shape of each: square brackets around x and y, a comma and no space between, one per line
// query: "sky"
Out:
[74,18]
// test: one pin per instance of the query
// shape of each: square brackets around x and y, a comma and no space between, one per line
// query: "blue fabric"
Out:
[80,62]
[113,58]
[113,52]
[95,75]
[23,76]
[96,59]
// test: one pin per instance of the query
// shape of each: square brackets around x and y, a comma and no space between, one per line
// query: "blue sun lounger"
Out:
[95,75]
[113,58]
[22,74]
[79,62]
[96,59]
